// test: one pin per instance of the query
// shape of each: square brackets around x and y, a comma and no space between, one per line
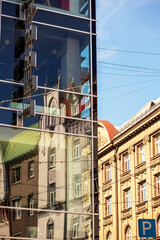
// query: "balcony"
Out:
[126,213]
[141,207]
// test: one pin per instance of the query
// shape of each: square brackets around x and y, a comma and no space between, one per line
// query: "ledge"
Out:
[126,213]
[141,207]
[140,168]
[155,160]
[125,176]
[156,201]
[108,220]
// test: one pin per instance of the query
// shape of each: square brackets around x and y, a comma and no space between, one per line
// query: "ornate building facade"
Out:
[129,174]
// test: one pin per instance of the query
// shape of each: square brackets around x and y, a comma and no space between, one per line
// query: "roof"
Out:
[140,114]
[21,144]
[112,131]
[106,132]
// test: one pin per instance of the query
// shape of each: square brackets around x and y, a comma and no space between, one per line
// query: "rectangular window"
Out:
[158,184]
[31,204]
[17,212]
[16,174]
[142,192]
[52,159]
[75,108]
[108,206]
[126,162]
[141,156]
[31,169]
[157,144]
[77,186]
[127,194]
[75,227]
[107,172]
[52,194]
[76,149]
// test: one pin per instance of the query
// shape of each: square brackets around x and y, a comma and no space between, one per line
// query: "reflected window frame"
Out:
[31,204]
[31,169]
[17,212]
[75,228]
[52,158]
[16,174]
[76,149]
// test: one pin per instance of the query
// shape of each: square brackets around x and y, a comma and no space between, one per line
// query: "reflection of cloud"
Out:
[140,3]
[105,55]
[106,9]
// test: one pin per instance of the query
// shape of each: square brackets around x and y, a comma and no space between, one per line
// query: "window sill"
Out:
[141,207]
[156,201]
[140,165]
[15,183]
[107,220]
[30,177]
[126,213]
[125,173]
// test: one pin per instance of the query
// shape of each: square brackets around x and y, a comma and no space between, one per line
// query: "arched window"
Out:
[109,236]
[50,229]
[158,226]
[128,233]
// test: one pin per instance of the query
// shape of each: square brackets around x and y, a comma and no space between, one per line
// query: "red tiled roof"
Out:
[112,131]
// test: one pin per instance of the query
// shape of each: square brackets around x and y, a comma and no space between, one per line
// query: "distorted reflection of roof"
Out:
[23,143]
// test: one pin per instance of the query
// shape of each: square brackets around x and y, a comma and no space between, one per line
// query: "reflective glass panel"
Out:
[55,168]
[62,56]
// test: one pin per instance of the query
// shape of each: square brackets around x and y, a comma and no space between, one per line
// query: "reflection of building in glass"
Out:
[129,173]
[48,161]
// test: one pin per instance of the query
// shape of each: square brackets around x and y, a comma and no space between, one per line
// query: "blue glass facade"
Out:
[48,119]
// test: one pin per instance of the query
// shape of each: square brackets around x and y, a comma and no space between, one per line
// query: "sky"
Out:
[127,80]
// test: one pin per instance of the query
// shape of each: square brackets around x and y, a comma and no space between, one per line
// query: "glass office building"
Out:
[48,120]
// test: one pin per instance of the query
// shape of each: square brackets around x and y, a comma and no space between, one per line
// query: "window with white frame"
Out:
[77,185]
[108,206]
[16,174]
[31,204]
[75,228]
[141,156]
[52,194]
[50,229]
[52,158]
[31,169]
[158,184]
[17,212]
[142,191]
[109,236]
[128,233]
[127,196]
[126,162]
[75,107]
[76,149]
[157,144]
[107,172]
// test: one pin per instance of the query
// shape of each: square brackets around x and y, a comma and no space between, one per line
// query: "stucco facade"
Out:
[129,173]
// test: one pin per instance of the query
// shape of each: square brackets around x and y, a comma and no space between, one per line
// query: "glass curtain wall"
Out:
[48,158]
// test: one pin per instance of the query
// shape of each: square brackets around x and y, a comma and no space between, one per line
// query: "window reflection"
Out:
[73,6]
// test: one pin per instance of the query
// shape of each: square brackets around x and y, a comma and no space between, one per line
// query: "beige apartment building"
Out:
[129,174]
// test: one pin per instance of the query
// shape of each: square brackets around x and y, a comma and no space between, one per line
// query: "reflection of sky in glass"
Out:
[84,55]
